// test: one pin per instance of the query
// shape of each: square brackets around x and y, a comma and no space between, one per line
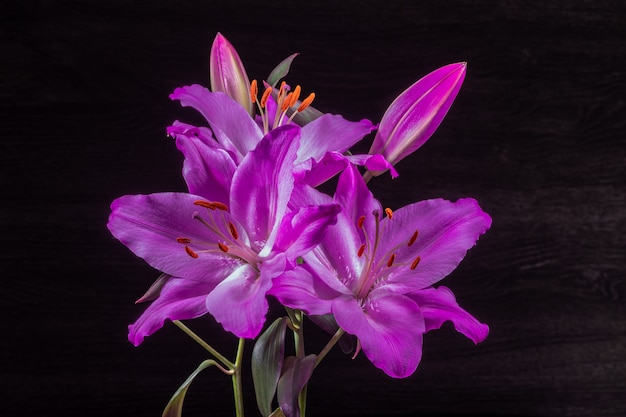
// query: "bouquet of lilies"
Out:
[254,225]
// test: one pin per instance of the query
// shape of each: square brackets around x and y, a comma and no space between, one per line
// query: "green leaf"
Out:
[175,407]
[281,70]
[307,115]
[295,376]
[267,363]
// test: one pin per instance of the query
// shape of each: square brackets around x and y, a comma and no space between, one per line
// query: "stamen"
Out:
[389,213]
[183,240]
[205,204]
[233,231]
[416,262]
[360,222]
[222,247]
[220,206]
[391,259]
[295,95]
[266,95]
[190,252]
[287,102]
[306,102]
[254,91]
[361,250]
[413,239]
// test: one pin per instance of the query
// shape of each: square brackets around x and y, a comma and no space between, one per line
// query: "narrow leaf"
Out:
[281,70]
[267,363]
[175,407]
[295,377]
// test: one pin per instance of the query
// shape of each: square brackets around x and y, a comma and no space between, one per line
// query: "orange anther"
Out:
[361,250]
[295,95]
[190,252]
[416,262]
[254,91]
[389,213]
[220,206]
[205,204]
[233,230]
[391,259]
[266,95]
[306,102]
[287,102]
[222,247]
[413,239]
[183,240]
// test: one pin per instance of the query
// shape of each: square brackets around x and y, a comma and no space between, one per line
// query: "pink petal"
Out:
[439,305]
[446,231]
[180,299]
[208,170]
[389,328]
[149,226]
[330,133]
[234,129]
[263,183]
[239,303]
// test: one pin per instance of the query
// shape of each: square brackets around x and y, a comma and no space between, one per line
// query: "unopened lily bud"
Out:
[416,113]
[228,74]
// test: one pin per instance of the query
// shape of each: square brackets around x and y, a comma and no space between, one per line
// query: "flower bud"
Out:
[228,74]
[416,113]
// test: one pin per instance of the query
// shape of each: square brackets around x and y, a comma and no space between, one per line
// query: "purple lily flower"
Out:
[323,141]
[416,113]
[221,258]
[375,269]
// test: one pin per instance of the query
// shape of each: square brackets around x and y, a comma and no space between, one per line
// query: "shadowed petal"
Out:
[233,127]
[439,305]
[180,299]
[300,289]
[389,328]
[149,226]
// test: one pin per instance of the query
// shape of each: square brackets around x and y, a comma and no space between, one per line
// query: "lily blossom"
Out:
[227,73]
[232,131]
[416,113]
[222,255]
[375,268]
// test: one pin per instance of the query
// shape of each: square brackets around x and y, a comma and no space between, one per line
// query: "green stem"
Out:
[367,176]
[298,339]
[205,345]
[237,386]
[329,346]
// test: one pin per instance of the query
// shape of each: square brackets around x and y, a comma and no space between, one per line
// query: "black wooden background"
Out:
[536,135]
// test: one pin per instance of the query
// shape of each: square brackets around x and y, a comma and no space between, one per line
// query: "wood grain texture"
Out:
[536,135]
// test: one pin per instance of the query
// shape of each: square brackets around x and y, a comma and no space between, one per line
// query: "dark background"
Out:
[536,135]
